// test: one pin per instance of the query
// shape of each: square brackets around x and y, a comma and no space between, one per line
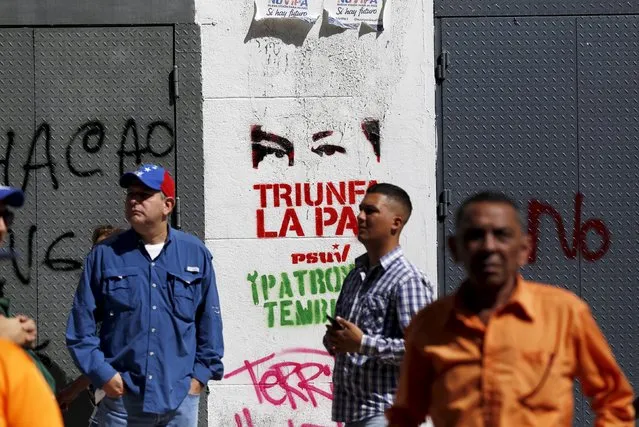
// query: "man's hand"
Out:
[20,330]
[66,396]
[347,340]
[30,330]
[196,387]
[114,388]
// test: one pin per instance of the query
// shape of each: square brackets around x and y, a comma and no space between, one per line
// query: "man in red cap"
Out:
[153,288]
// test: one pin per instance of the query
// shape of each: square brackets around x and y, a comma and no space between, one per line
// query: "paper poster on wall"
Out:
[353,13]
[305,10]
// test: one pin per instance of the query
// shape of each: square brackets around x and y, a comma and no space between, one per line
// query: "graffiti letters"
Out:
[245,417]
[330,202]
[92,135]
[579,244]
[322,257]
[90,138]
[287,382]
[303,297]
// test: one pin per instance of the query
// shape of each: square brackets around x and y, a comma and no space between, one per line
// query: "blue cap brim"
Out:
[11,196]
[130,177]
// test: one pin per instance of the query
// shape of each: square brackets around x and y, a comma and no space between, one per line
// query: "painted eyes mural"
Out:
[324,143]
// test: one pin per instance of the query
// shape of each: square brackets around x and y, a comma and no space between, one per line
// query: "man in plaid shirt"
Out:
[378,299]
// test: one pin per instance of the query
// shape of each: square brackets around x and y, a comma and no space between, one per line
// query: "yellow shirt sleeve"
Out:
[25,397]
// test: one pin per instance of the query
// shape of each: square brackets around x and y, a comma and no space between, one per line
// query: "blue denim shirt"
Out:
[161,322]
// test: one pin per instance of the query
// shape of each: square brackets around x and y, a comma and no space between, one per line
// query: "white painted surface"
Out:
[294,81]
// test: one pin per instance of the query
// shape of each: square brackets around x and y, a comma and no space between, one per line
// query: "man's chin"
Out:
[490,280]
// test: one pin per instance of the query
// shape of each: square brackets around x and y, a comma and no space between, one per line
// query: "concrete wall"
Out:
[291,111]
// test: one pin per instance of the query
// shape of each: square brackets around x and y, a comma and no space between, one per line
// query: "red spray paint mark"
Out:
[289,423]
[580,231]
[371,132]
[288,382]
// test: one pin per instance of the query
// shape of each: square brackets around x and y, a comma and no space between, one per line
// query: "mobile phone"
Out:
[334,322]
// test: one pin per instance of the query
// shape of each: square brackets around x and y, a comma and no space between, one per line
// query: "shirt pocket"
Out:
[121,288]
[371,318]
[185,291]
[539,384]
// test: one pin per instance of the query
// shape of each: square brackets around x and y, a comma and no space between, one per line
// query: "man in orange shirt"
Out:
[503,351]
[26,400]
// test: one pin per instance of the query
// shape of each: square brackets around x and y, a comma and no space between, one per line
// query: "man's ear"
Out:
[452,246]
[169,204]
[526,246]
[398,223]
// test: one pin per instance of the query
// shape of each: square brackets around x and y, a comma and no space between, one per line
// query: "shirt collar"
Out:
[521,302]
[385,261]
[169,236]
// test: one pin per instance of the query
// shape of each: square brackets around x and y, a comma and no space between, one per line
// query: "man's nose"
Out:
[3,225]
[489,242]
[361,216]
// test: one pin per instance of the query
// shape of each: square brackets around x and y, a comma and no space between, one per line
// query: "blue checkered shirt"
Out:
[381,301]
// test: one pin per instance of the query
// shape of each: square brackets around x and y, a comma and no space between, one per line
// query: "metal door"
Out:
[545,109]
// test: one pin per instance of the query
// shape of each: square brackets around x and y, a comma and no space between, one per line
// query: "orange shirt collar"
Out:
[522,297]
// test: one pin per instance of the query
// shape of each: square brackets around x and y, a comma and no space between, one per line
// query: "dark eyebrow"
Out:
[258,135]
[320,135]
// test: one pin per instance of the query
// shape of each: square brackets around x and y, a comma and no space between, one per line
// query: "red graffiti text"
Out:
[536,209]
[323,257]
[245,417]
[288,382]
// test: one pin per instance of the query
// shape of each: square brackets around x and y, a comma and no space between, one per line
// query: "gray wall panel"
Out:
[451,8]
[96,89]
[509,107]
[102,12]
[190,149]
[608,62]
[16,133]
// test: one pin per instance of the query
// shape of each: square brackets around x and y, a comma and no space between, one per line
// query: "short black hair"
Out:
[393,192]
[487,196]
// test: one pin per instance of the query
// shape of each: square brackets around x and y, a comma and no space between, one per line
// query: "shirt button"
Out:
[152,329]
[154,307]
[151,353]
[154,285]
[152,264]
[150,377]
[110,313]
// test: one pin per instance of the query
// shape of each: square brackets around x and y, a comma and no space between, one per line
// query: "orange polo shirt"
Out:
[515,371]
[26,400]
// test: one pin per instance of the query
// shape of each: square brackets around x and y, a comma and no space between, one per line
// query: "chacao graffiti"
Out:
[87,140]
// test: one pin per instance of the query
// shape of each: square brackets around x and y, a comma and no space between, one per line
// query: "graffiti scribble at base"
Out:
[249,421]
[288,382]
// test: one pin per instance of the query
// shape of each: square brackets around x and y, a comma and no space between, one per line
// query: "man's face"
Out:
[377,220]
[490,243]
[6,218]
[145,207]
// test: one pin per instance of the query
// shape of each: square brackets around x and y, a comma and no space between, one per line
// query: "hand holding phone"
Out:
[334,323]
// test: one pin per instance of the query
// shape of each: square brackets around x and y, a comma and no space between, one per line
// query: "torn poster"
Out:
[305,10]
[353,13]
